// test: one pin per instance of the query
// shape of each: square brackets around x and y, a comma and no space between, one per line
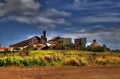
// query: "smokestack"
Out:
[94,40]
[44,33]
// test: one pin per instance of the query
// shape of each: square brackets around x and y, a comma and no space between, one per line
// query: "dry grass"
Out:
[61,57]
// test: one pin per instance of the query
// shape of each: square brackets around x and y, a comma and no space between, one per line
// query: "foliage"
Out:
[95,49]
[115,51]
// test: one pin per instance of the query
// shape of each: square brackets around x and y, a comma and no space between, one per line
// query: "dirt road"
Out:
[60,73]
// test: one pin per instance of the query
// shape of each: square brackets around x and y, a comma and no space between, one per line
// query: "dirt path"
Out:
[61,73]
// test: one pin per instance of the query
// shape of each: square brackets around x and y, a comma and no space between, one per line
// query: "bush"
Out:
[71,61]
[95,49]
[83,61]
[18,61]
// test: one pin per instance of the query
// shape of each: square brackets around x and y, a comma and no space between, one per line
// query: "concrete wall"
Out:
[67,41]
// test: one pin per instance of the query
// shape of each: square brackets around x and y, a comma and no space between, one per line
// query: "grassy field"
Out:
[61,58]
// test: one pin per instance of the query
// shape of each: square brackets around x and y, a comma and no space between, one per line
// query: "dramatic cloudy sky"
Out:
[94,19]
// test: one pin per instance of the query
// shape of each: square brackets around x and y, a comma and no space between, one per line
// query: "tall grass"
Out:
[59,58]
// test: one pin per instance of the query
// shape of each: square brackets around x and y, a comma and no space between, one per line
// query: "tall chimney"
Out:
[44,33]
[94,40]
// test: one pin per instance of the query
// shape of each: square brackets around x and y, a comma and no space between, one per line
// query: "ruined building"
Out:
[55,40]
[60,40]
[80,43]
[32,41]
[94,43]
[67,41]
[43,39]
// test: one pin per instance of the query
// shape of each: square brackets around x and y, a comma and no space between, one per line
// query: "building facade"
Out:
[67,41]
[56,40]
[80,43]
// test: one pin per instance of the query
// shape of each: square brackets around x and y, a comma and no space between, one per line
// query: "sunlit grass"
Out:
[60,58]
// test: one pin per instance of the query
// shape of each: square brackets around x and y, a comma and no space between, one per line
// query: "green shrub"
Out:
[95,49]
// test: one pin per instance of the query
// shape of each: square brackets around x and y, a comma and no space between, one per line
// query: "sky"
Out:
[93,19]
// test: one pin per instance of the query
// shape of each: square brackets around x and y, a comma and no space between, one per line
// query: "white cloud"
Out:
[94,19]
[109,36]
[82,30]
[70,28]
[54,12]
[109,14]
[29,11]
[93,5]
[18,6]
[76,3]
[31,4]
[45,27]
[47,20]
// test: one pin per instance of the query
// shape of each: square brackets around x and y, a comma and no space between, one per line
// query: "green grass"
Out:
[60,58]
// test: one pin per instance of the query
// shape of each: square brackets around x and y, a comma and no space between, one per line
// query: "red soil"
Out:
[60,73]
